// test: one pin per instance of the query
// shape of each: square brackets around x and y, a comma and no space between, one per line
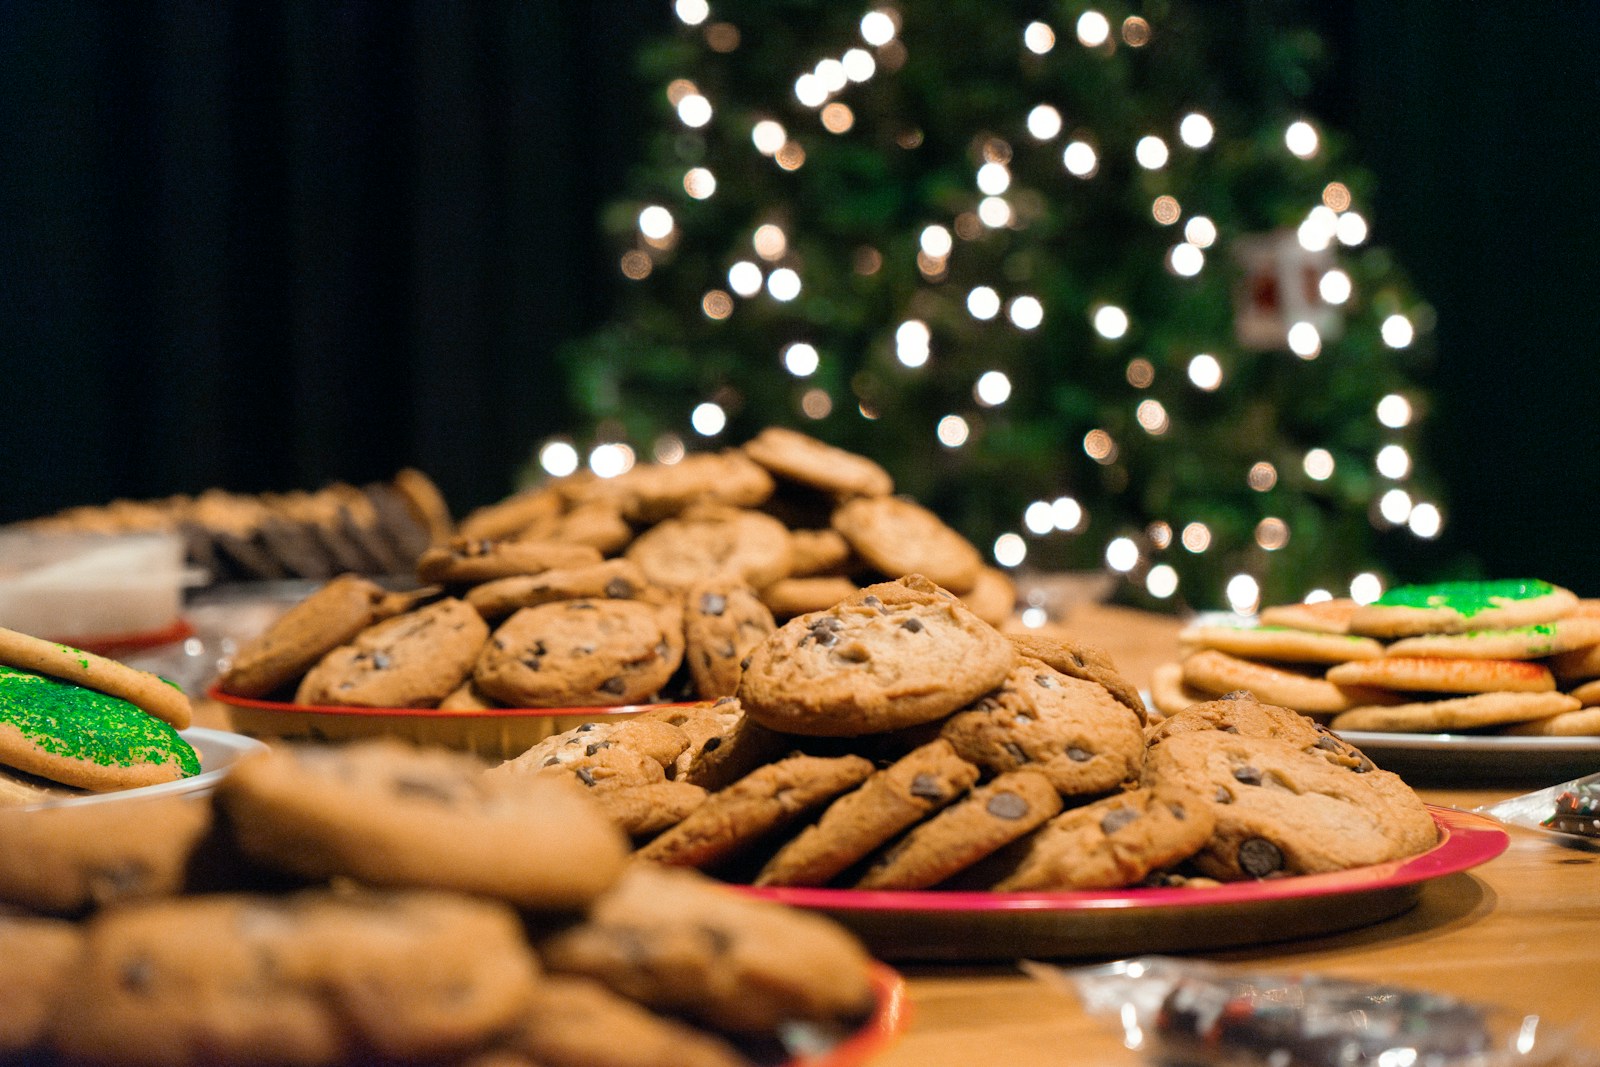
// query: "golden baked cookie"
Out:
[582,653]
[896,654]
[800,458]
[899,537]
[1533,641]
[413,660]
[1280,643]
[148,692]
[1310,692]
[1455,607]
[1439,675]
[706,543]
[1456,713]
[1323,616]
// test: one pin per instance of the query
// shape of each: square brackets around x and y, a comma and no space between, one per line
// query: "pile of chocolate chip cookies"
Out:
[587,591]
[381,903]
[1518,657]
[896,741]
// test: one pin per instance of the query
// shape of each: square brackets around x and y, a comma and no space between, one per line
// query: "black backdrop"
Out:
[267,246]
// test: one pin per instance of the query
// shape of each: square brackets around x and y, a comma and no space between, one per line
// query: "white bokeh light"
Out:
[1010,550]
[610,459]
[1394,411]
[1335,287]
[768,136]
[1205,372]
[1318,464]
[708,419]
[1397,331]
[801,360]
[1162,581]
[1122,554]
[1093,29]
[1393,462]
[694,111]
[983,303]
[1080,159]
[558,458]
[858,64]
[877,28]
[953,431]
[783,284]
[744,278]
[1037,518]
[992,389]
[1025,312]
[1305,341]
[1301,139]
[1038,38]
[1186,260]
[692,12]
[1066,513]
[1110,322]
[1196,130]
[1425,521]
[993,179]
[1366,587]
[1244,594]
[655,222]
[1044,122]
[1200,231]
[913,342]
[1151,152]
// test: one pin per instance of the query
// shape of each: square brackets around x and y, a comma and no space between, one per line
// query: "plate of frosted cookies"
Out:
[1464,679]
[590,597]
[949,791]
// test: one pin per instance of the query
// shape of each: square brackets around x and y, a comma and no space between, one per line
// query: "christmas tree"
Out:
[1089,281]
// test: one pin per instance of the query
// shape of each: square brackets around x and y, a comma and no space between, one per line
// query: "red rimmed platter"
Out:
[495,733]
[940,925]
[890,1018]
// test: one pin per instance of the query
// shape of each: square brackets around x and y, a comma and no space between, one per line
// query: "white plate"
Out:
[218,751]
[1478,757]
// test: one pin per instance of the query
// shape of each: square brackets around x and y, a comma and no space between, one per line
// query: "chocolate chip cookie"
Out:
[386,813]
[413,660]
[1070,730]
[1118,841]
[582,653]
[893,799]
[899,536]
[330,616]
[314,978]
[677,942]
[708,542]
[1282,809]
[801,458]
[761,803]
[722,621]
[612,579]
[987,819]
[466,561]
[897,654]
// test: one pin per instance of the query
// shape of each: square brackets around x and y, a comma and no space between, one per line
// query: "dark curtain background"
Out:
[269,245]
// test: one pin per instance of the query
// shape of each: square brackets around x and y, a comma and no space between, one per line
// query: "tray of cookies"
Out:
[950,791]
[1457,680]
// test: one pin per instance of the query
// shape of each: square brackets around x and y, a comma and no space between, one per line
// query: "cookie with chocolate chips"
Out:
[612,579]
[984,821]
[1115,842]
[894,655]
[800,458]
[386,813]
[582,653]
[468,561]
[1282,809]
[710,542]
[37,957]
[677,942]
[722,621]
[413,660]
[320,977]
[1070,730]
[1240,713]
[330,616]
[893,799]
[899,536]
[725,744]
[763,802]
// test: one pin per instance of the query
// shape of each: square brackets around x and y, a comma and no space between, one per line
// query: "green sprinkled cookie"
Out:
[1455,607]
[82,737]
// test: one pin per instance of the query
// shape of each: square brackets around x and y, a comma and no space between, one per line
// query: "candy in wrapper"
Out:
[1569,808]
[1187,1012]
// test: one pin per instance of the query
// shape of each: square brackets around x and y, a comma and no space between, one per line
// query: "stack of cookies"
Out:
[379,529]
[381,903]
[649,587]
[1514,657]
[897,741]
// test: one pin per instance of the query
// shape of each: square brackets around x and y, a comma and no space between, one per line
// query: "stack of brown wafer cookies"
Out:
[1514,657]
[650,587]
[894,741]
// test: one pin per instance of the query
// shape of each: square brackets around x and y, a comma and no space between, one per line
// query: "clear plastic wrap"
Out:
[1571,808]
[1189,1012]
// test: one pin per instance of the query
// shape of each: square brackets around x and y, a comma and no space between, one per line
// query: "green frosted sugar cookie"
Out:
[85,738]
[1456,607]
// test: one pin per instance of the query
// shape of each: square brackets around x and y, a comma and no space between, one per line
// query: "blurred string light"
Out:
[953,431]
[801,360]
[708,419]
[558,458]
[611,459]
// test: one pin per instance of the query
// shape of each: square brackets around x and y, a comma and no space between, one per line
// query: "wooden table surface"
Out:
[1522,930]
